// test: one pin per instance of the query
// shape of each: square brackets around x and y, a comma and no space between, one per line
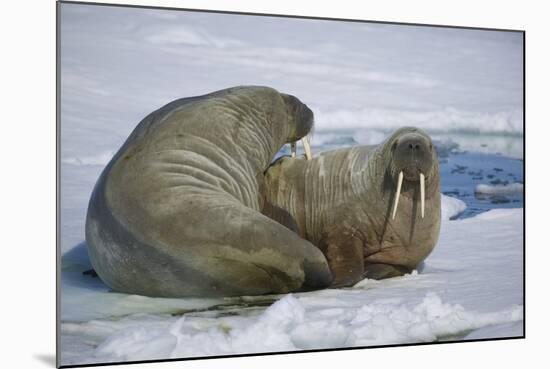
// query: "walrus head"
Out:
[300,116]
[413,159]
[407,166]
[301,122]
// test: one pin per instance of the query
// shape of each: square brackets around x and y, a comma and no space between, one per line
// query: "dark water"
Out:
[461,171]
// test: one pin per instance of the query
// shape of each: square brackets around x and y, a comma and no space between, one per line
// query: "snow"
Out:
[290,325]
[362,81]
[99,159]
[451,207]
[471,284]
[510,188]
[446,119]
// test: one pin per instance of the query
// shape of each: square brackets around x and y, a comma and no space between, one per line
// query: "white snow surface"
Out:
[470,284]
[361,80]
[499,189]
[294,323]
[451,207]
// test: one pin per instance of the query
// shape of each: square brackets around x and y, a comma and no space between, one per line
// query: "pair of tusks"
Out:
[307,148]
[398,192]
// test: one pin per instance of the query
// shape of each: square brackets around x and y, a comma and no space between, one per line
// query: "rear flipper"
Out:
[344,254]
[316,276]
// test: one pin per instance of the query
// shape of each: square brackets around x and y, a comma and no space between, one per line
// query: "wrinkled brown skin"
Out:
[341,201]
[176,212]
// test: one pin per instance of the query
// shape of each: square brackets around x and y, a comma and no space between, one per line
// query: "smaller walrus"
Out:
[374,211]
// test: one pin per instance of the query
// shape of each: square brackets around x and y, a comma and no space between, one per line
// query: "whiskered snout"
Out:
[413,154]
[413,160]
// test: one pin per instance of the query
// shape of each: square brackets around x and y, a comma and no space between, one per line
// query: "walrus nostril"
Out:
[414,146]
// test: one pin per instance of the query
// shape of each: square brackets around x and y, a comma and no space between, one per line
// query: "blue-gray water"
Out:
[461,172]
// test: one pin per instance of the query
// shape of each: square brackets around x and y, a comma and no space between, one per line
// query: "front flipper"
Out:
[234,251]
[344,254]
[382,271]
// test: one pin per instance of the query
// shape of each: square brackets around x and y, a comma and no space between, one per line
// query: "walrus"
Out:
[374,211]
[177,211]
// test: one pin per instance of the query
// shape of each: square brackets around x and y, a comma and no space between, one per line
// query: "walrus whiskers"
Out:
[422,194]
[397,193]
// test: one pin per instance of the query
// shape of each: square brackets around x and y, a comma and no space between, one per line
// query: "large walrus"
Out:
[176,212]
[374,211]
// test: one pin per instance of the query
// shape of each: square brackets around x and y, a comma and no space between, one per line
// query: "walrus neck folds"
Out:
[311,190]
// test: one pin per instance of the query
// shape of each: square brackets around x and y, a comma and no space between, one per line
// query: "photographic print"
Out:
[234,184]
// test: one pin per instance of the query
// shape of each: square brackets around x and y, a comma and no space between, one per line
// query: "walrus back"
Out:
[176,211]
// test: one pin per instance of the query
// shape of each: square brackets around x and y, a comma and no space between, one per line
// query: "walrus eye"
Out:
[394,145]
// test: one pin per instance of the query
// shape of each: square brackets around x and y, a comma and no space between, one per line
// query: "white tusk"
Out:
[397,193]
[422,194]
[293,149]
[307,148]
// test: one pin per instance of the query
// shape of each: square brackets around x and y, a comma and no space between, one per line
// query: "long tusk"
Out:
[422,194]
[293,149]
[307,148]
[397,193]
